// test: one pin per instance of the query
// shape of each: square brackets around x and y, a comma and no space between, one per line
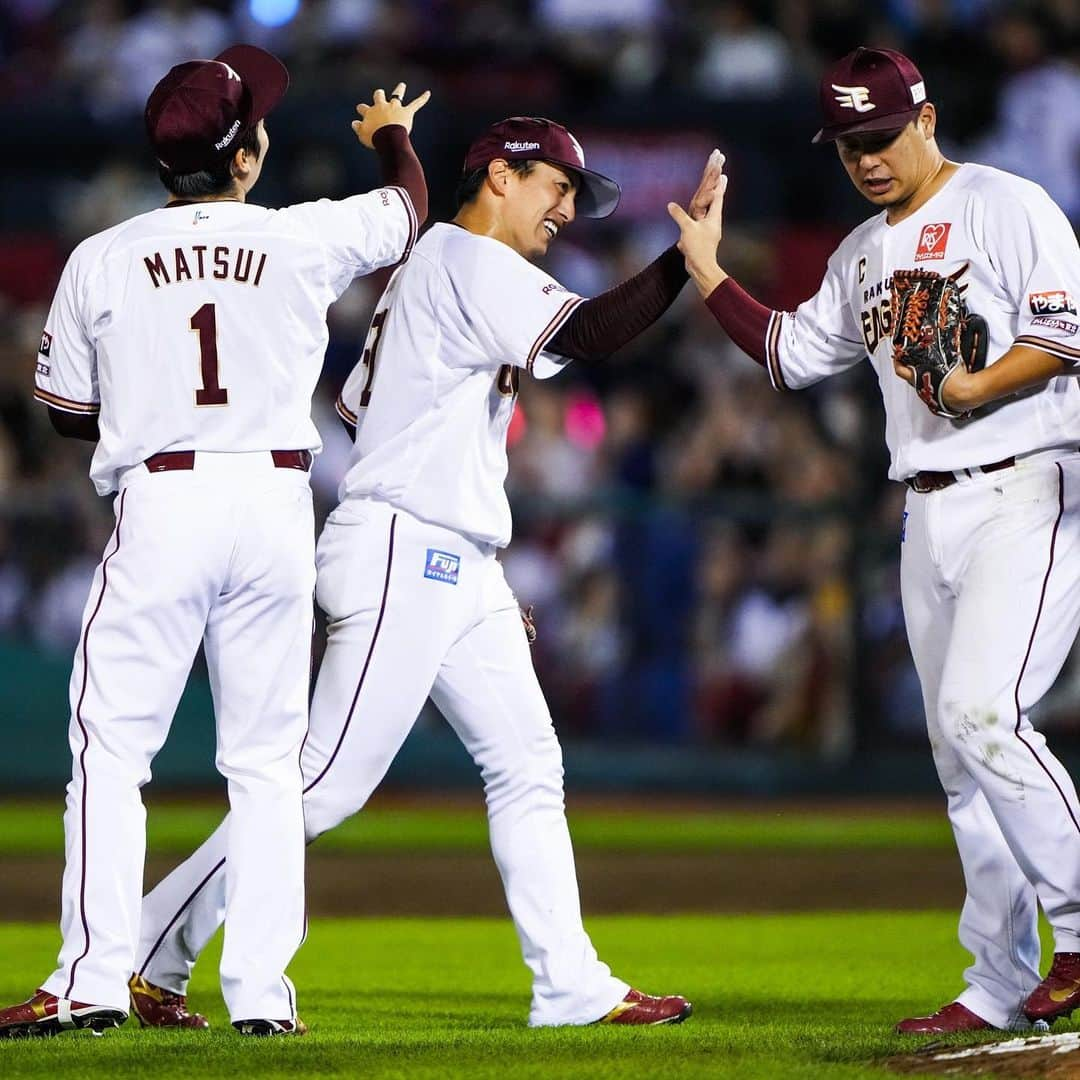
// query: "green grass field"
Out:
[34,827]
[811,995]
[807,996]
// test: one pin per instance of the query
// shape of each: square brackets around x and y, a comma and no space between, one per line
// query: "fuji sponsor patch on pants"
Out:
[442,566]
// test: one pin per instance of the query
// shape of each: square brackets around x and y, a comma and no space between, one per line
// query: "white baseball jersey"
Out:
[990,562]
[417,606]
[1022,275]
[433,395]
[180,344]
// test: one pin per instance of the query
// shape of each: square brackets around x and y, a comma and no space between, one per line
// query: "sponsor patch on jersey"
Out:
[1056,302]
[903,527]
[46,343]
[442,566]
[43,369]
[932,242]
[1063,325]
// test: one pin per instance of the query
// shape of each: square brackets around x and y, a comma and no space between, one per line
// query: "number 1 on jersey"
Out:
[204,323]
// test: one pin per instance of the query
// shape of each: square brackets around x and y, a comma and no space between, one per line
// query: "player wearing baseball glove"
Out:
[934,334]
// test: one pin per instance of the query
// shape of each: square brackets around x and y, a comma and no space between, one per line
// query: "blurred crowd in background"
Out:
[710,562]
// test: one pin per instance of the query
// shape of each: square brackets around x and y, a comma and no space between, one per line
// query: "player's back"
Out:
[209,324]
[203,325]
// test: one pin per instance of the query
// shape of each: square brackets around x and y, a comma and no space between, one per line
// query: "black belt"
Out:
[185,459]
[926,481]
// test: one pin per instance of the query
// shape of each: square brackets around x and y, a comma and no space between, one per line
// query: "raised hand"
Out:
[384,110]
[710,180]
[699,238]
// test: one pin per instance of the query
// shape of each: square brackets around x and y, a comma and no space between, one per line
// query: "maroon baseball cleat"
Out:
[154,1006]
[46,1014]
[639,1008]
[271,1027]
[950,1019]
[1059,993]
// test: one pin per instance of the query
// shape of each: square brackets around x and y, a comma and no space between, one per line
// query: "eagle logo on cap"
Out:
[854,97]
[577,149]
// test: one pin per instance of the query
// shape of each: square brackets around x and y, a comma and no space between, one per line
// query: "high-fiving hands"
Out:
[701,228]
[711,179]
[384,110]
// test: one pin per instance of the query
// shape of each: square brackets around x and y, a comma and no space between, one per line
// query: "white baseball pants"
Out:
[222,553]
[990,578]
[417,610]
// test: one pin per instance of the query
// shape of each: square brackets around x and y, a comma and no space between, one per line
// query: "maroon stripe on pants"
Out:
[179,911]
[86,739]
[1031,641]
[367,662]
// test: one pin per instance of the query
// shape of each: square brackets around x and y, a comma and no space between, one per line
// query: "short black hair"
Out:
[215,181]
[469,185]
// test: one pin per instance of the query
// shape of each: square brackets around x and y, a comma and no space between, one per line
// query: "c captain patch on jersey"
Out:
[442,566]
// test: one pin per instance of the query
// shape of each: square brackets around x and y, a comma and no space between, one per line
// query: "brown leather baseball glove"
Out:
[934,333]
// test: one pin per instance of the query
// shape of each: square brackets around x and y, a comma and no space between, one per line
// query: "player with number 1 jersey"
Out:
[186,342]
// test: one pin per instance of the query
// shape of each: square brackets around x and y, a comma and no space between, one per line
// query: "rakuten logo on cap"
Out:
[229,136]
[520,147]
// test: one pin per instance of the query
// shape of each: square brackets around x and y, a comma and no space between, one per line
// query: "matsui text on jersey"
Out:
[197,262]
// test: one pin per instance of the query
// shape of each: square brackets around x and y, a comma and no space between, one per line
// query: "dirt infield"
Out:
[611,882]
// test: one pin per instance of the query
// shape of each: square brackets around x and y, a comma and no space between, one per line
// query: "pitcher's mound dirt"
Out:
[1045,1057]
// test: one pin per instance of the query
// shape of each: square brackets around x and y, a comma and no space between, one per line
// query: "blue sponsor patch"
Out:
[442,566]
[903,527]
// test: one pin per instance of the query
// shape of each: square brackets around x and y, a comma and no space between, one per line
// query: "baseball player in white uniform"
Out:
[990,555]
[187,342]
[416,601]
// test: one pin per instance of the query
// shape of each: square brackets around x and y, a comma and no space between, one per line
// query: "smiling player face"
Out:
[538,206]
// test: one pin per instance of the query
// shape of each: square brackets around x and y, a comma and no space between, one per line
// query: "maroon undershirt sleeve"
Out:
[74,425]
[745,320]
[597,327]
[400,167]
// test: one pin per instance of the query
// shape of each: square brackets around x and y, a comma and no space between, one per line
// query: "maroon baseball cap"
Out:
[532,138]
[869,90]
[194,114]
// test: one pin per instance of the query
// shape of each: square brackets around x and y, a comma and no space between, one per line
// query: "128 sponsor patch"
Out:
[442,566]
[1054,302]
